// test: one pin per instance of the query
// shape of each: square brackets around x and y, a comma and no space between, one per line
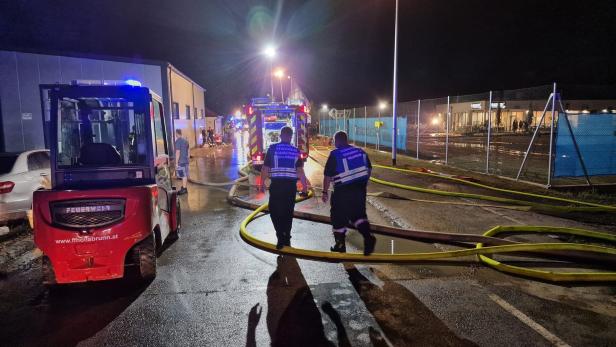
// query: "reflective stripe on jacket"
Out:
[351,166]
[284,161]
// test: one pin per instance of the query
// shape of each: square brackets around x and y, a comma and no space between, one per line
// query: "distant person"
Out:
[203,137]
[181,159]
[349,168]
[210,136]
[514,126]
[283,166]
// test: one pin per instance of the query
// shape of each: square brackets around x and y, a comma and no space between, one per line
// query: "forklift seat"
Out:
[99,154]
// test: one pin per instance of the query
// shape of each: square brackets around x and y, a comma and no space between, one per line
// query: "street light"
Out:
[324,107]
[279,73]
[394,111]
[270,51]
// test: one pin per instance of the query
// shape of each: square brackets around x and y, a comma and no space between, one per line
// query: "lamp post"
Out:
[394,128]
[270,52]
[324,108]
[279,73]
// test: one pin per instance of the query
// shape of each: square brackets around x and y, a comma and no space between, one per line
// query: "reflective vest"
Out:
[284,159]
[351,166]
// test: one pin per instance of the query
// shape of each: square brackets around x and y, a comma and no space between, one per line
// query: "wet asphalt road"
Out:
[214,290]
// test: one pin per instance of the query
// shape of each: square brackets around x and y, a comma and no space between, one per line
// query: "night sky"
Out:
[340,52]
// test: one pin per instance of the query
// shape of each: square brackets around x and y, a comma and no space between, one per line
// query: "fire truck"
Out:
[265,119]
[111,204]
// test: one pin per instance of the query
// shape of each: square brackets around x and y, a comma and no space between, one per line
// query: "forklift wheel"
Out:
[145,257]
[49,276]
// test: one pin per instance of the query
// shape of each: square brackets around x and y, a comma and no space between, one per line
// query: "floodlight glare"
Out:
[270,51]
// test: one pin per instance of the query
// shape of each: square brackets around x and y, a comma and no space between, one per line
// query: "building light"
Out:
[585,111]
[604,110]
[435,121]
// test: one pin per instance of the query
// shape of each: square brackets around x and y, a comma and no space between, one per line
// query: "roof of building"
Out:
[134,60]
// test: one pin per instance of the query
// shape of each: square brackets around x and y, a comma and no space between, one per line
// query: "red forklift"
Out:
[111,205]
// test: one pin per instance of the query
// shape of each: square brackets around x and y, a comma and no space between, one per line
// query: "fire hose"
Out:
[482,246]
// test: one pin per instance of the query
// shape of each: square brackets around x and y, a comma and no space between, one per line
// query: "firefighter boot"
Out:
[369,239]
[340,245]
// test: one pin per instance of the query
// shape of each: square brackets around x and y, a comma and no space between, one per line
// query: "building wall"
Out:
[188,96]
[22,73]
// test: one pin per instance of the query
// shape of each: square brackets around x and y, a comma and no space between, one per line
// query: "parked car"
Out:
[20,175]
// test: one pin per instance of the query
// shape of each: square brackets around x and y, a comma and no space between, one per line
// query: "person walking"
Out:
[349,168]
[283,166]
[181,158]
[203,137]
[210,136]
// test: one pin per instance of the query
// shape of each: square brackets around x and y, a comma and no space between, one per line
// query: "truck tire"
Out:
[49,276]
[175,233]
[145,258]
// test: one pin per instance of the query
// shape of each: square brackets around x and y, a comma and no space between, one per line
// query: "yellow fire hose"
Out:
[575,205]
[480,250]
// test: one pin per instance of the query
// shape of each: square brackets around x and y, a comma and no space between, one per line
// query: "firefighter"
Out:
[283,166]
[349,168]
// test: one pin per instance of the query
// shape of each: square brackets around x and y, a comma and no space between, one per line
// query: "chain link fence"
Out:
[487,132]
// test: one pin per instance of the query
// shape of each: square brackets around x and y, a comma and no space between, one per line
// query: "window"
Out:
[176,110]
[159,128]
[97,132]
[7,160]
[195,114]
[187,112]
[202,113]
[38,161]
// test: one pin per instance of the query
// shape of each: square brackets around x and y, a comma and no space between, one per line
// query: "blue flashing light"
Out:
[133,83]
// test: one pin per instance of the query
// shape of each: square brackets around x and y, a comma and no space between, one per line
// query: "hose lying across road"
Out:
[475,243]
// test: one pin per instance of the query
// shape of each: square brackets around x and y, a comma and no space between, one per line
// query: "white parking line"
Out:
[528,321]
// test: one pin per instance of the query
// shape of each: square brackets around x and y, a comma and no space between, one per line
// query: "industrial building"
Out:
[22,73]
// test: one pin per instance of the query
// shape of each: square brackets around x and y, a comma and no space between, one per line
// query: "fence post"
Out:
[551,136]
[418,112]
[354,128]
[365,126]
[489,133]
[447,132]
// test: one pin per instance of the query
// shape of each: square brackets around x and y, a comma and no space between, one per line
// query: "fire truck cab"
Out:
[111,205]
[266,118]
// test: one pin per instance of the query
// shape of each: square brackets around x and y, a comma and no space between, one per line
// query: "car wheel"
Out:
[145,258]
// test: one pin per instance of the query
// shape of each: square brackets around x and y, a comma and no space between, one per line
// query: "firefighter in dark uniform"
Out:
[284,166]
[349,168]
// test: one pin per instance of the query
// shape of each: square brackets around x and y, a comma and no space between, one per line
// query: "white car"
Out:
[20,175]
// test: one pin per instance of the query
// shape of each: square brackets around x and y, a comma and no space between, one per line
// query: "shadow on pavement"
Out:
[293,319]
[343,338]
[253,320]
[68,314]
[404,319]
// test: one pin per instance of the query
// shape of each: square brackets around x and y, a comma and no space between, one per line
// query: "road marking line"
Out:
[528,321]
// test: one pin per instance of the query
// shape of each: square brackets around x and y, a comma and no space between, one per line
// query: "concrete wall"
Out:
[187,93]
[21,74]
